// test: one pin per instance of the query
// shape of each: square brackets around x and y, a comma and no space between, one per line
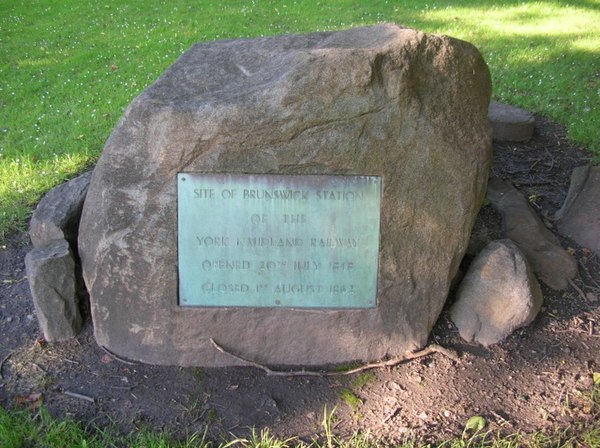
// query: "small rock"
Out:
[498,295]
[392,385]
[579,217]
[402,430]
[57,214]
[51,273]
[510,123]
[553,265]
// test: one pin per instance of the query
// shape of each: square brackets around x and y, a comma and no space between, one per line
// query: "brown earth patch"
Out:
[539,378]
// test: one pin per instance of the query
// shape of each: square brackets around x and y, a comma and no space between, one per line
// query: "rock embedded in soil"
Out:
[57,214]
[383,101]
[498,295]
[579,217]
[510,123]
[551,263]
[51,273]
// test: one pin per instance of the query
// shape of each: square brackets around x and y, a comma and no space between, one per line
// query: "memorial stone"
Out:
[300,200]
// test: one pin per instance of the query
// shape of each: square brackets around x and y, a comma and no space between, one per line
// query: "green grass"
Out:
[38,429]
[68,69]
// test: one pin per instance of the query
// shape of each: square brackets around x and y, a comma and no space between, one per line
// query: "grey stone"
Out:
[51,274]
[58,212]
[552,264]
[387,101]
[498,295]
[579,217]
[510,123]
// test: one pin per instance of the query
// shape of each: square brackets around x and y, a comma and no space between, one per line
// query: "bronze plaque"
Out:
[306,241]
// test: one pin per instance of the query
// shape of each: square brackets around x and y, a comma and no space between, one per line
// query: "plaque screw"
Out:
[183,179]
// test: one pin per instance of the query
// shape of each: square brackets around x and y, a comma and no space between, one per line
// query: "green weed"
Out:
[350,398]
[362,380]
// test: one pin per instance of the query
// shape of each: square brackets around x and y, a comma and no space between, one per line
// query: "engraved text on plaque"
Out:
[309,241]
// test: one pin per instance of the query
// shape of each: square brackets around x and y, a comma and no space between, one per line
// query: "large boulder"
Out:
[383,101]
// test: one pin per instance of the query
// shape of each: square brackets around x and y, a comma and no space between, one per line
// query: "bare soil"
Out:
[538,379]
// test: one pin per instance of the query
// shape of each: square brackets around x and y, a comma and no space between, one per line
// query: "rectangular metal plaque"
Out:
[307,241]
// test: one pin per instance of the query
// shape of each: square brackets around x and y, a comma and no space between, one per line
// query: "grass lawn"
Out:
[38,429]
[68,69]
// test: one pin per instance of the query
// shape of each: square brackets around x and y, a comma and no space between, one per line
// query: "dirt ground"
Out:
[539,378]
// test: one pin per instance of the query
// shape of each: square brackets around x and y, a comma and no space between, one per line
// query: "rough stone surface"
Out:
[553,265]
[57,214]
[510,123]
[579,217]
[51,274]
[498,295]
[384,101]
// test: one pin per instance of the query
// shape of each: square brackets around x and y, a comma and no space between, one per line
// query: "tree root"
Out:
[433,348]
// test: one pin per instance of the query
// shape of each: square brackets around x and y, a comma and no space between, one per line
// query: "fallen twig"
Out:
[71,361]
[501,420]
[538,183]
[578,331]
[391,415]
[433,348]
[108,352]
[589,275]
[579,291]
[80,396]
[122,387]
[39,367]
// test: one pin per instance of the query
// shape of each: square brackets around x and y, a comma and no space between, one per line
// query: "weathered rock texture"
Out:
[498,295]
[579,217]
[510,123]
[51,273]
[384,101]
[57,215]
[553,265]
